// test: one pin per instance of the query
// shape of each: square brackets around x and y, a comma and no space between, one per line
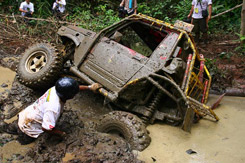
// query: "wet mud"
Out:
[81,143]
[212,142]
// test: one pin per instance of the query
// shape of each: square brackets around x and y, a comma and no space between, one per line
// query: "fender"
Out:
[70,36]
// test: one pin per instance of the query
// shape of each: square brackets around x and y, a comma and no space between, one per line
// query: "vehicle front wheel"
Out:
[127,126]
[40,66]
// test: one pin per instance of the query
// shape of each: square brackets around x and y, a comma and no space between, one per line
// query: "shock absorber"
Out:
[149,112]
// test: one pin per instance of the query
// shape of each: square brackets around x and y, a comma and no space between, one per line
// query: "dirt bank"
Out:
[226,64]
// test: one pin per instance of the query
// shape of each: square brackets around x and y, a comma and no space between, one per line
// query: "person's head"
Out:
[66,88]
[28,1]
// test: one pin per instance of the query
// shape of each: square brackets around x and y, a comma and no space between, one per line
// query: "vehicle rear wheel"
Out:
[127,126]
[40,66]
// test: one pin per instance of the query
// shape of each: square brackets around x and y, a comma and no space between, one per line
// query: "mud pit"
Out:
[82,143]
[213,142]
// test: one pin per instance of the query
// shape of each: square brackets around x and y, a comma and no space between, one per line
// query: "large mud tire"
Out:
[128,125]
[40,66]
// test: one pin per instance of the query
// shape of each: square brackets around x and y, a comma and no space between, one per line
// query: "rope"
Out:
[222,13]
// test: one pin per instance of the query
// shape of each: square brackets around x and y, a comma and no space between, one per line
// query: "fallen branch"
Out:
[17,24]
[206,51]
[40,19]
[229,43]
[222,13]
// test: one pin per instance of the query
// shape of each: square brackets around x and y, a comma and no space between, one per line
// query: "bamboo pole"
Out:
[222,13]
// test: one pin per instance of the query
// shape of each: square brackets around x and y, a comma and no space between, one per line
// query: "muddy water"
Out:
[11,148]
[6,76]
[214,142]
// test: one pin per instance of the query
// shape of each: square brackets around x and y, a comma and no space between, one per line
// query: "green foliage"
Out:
[228,22]
[213,69]
[225,55]
[163,10]
[102,18]
[43,8]
[183,9]
[241,49]
[97,14]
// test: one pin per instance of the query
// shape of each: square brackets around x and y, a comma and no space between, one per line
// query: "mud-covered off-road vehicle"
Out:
[146,66]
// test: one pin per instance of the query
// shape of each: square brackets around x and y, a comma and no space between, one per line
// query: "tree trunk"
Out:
[243,22]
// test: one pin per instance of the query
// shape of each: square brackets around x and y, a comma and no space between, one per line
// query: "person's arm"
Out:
[21,8]
[49,122]
[94,87]
[135,6]
[191,12]
[54,131]
[32,9]
[209,12]
[54,5]
[83,87]
[122,3]
[63,2]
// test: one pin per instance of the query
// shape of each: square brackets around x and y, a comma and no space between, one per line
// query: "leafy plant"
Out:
[225,55]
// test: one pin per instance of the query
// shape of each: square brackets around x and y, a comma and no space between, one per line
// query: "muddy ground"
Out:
[82,143]
[208,142]
[226,64]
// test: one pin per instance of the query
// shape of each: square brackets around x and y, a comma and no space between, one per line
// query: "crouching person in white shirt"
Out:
[26,8]
[44,113]
[59,6]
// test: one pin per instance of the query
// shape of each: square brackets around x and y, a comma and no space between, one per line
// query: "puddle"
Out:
[11,119]
[7,77]
[214,142]
[11,148]
[68,156]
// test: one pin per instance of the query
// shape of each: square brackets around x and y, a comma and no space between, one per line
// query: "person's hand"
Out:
[209,17]
[94,87]
[189,16]
[63,134]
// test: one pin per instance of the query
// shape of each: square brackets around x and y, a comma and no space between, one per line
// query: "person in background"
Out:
[200,19]
[127,7]
[26,8]
[59,6]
